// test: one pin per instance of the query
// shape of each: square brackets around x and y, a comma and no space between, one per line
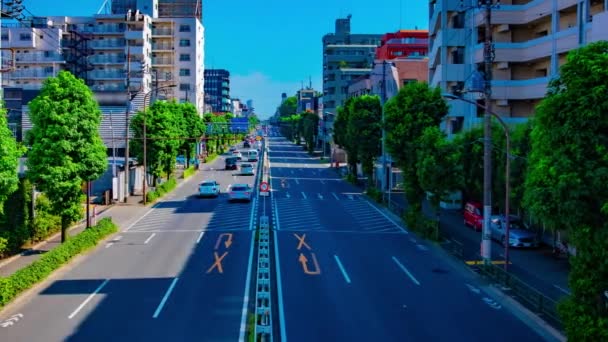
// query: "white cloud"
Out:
[263,90]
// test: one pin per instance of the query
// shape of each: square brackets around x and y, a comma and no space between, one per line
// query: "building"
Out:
[237,107]
[308,100]
[531,41]
[217,90]
[403,44]
[161,8]
[397,72]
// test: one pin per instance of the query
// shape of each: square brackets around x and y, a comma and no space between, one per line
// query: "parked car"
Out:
[209,188]
[473,215]
[230,163]
[240,192]
[247,169]
[519,234]
[237,155]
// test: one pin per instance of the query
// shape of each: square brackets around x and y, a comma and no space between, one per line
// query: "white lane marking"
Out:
[406,271]
[388,218]
[150,238]
[322,181]
[247,285]
[88,299]
[562,289]
[110,244]
[289,165]
[346,277]
[297,182]
[164,300]
[320,196]
[304,195]
[140,218]
[412,240]
[288,195]
[422,247]
[200,237]
[336,196]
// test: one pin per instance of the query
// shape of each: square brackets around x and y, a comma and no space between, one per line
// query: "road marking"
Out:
[422,247]
[320,196]
[252,212]
[245,310]
[473,289]
[297,182]
[562,289]
[150,238]
[406,271]
[288,195]
[346,277]
[304,195]
[292,172]
[492,303]
[289,165]
[322,181]
[412,240]
[283,327]
[217,263]
[112,242]
[164,300]
[88,299]
[336,196]
[200,236]
[227,243]
[388,218]
[140,218]
[301,241]
[304,261]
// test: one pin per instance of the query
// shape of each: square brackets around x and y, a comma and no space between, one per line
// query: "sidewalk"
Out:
[122,214]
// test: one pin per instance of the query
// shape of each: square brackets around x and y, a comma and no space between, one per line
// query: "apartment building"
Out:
[217,90]
[531,41]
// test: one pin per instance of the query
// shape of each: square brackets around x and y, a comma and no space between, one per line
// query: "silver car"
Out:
[247,169]
[519,234]
[240,192]
[209,188]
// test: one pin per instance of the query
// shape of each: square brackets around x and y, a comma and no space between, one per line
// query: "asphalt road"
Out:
[170,276]
[346,271]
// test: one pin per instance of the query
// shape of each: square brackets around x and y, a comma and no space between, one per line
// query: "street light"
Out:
[145,180]
[507,166]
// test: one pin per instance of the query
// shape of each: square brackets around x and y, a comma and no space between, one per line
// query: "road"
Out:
[179,273]
[346,271]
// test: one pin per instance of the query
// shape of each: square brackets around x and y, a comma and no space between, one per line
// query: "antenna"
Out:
[310,81]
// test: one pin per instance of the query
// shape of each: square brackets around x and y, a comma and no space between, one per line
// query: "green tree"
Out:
[364,130]
[438,168]
[66,148]
[566,183]
[309,125]
[415,108]
[193,128]
[10,152]
[344,138]
[289,107]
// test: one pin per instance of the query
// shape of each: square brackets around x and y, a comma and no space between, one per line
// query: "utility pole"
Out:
[384,169]
[127,122]
[486,242]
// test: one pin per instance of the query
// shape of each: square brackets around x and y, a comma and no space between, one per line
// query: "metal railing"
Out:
[162,46]
[162,32]
[39,57]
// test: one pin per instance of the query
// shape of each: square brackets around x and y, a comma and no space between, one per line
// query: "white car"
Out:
[209,188]
[247,169]
[240,192]
[237,154]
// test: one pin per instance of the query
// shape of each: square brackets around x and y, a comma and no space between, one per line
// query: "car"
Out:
[240,192]
[473,216]
[247,169]
[232,149]
[519,234]
[237,154]
[209,188]
[231,163]
[246,144]
[251,155]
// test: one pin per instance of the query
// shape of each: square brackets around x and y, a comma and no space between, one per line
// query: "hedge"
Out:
[189,171]
[161,190]
[23,279]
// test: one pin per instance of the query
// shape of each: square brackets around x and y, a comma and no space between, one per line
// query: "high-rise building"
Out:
[531,40]
[217,90]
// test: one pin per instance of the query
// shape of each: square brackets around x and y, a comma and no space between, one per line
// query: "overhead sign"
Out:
[264,187]
[239,125]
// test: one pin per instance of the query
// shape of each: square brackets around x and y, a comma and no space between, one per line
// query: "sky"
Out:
[272,46]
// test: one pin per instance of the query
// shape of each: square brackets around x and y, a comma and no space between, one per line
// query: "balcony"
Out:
[449,73]
[107,44]
[107,75]
[105,29]
[534,88]
[533,49]
[39,58]
[598,28]
[134,35]
[109,87]
[31,73]
[107,59]
[165,31]
[162,61]
[162,47]
[522,14]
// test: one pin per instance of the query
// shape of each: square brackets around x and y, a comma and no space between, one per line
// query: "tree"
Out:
[309,127]
[10,152]
[438,168]
[288,107]
[66,148]
[364,130]
[193,128]
[344,138]
[415,108]
[566,182]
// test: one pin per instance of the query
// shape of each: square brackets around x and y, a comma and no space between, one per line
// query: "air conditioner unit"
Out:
[503,28]
[502,65]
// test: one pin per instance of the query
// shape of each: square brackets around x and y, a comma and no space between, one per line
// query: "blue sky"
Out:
[271,46]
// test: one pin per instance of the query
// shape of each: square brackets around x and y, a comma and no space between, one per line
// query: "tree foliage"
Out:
[308,129]
[289,107]
[193,128]
[407,115]
[66,148]
[342,136]
[364,130]
[566,183]
[10,152]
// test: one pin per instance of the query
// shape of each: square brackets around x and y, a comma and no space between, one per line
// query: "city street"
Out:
[347,271]
[179,273]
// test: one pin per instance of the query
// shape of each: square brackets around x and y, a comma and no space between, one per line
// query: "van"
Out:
[252,155]
[473,215]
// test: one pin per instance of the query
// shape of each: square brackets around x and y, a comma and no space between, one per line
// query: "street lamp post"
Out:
[507,168]
[145,180]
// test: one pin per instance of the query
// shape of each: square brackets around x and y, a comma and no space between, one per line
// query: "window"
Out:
[184,72]
[4,36]
[25,36]
[184,28]
[184,42]
[184,86]
[184,57]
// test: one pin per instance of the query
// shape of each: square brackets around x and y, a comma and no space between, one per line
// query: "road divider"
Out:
[263,309]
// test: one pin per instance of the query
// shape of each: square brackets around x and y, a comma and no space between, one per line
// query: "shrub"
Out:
[23,279]
[189,171]
[374,194]
[161,190]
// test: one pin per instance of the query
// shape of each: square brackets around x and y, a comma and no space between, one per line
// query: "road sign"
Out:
[258,138]
[264,187]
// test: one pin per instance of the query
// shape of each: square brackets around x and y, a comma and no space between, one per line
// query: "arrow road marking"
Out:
[227,243]
[217,263]
[406,271]
[346,277]
[304,261]
[88,299]
[301,241]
